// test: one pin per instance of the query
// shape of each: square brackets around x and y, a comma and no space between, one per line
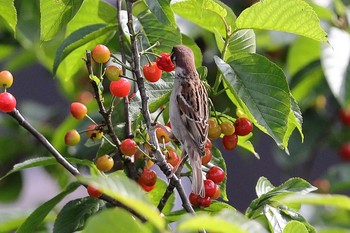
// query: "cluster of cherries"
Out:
[7,100]
[344,151]
[120,87]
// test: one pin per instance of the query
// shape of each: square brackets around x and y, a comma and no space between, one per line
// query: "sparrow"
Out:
[189,113]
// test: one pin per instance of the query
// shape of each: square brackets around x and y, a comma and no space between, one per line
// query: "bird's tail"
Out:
[197,174]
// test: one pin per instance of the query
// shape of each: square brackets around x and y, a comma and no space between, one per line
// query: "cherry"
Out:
[344,151]
[101,53]
[7,102]
[173,158]
[204,201]
[227,128]
[216,174]
[6,79]
[104,163]
[151,72]
[147,188]
[323,185]
[72,138]
[113,72]
[243,126]
[208,144]
[93,133]
[148,177]
[162,135]
[217,193]
[193,198]
[209,187]
[164,62]
[214,129]
[78,110]
[120,88]
[207,156]
[128,147]
[93,192]
[230,141]
[344,116]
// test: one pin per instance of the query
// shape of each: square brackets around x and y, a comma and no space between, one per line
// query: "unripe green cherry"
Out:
[113,72]
[104,163]
[72,138]
[6,79]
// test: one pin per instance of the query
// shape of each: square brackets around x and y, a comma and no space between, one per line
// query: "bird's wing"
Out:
[193,105]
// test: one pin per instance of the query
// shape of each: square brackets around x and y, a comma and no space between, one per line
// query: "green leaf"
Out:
[335,62]
[263,88]
[334,200]
[161,9]
[38,216]
[157,193]
[8,14]
[75,213]
[44,161]
[263,186]
[128,193]
[10,188]
[294,16]
[80,39]
[55,15]
[117,219]
[229,221]
[208,14]
[295,226]
[155,31]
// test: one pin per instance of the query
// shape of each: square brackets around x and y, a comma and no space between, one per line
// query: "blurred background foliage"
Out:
[44,99]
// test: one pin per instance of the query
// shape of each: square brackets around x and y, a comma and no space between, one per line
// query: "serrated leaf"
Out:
[74,214]
[81,38]
[37,217]
[55,15]
[9,14]
[128,193]
[335,62]
[117,219]
[334,200]
[263,186]
[162,10]
[294,16]
[276,221]
[263,88]
[43,161]
[208,14]
[295,226]
[157,193]
[155,31]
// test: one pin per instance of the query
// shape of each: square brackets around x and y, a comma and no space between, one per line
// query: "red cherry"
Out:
[72,138]
[209,187]
[172,158]
[164,62]
[128,147]
[6,79]
[230,141]
[217,193]
[243,126]
[93,192]
[148,177]
[7,102]
[344,116]
[78,110]
[120,88]
[151,72]
[101,53]
[216,174]
[193,198]
[344,151]
[208,144]
[147,188]
[204,201]
[207,156]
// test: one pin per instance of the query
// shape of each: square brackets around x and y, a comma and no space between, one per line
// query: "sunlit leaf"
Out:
[8,14]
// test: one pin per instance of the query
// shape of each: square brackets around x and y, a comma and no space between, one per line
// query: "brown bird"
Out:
[189,112]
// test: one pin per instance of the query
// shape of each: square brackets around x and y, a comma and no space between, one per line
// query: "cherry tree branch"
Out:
[136,66]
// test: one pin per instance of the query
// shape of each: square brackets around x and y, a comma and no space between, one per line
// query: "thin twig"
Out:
[161,162]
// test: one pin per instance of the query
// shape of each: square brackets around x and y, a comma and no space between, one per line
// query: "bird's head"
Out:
[183,58]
